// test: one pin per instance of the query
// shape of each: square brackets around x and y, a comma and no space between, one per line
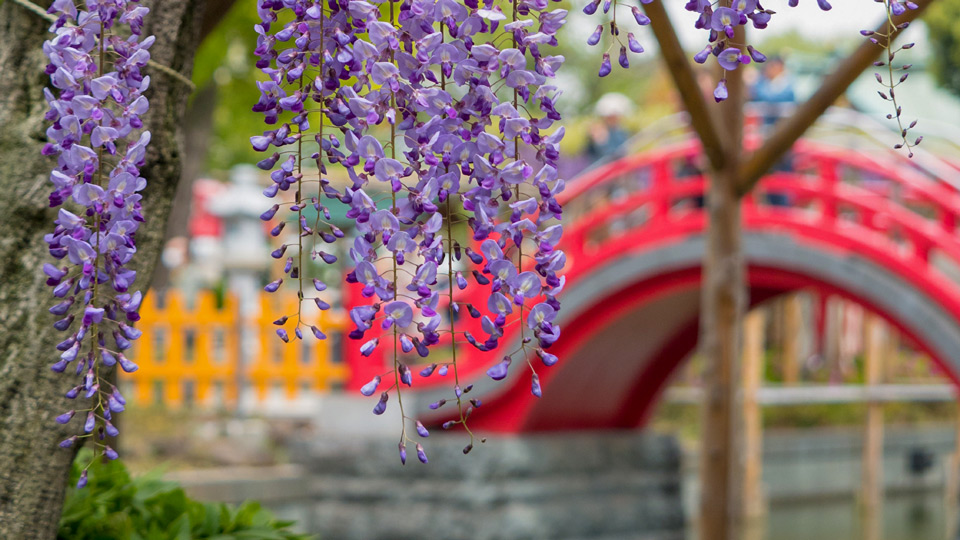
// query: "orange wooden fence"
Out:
[189,354]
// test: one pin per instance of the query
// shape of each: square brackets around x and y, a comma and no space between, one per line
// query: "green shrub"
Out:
[115,506]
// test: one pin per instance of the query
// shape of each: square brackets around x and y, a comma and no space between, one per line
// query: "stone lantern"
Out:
[245,258]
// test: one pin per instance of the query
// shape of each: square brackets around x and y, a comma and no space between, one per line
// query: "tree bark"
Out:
[197,128]
[723,306]
[703,119]
[196,136]
[33,468]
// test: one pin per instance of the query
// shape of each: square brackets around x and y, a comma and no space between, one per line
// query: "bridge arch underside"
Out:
[630,326]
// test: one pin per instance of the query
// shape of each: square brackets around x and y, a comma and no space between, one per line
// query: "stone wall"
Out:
[593,486]
[602,486]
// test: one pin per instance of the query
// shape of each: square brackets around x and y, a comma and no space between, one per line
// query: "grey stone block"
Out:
[559,486]
[576,486]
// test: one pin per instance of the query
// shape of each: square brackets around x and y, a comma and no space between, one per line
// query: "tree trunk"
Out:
[722,311]
[724,298]
[33,468]
[197,128]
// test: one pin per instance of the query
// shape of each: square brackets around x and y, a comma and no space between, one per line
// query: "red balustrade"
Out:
[876,206]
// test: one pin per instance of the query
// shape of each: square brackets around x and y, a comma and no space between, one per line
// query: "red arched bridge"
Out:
[868,226]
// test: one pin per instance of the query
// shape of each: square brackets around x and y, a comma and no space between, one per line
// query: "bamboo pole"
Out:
[753,365]
[871,481]
[951,501]
[790,348]
[833,333]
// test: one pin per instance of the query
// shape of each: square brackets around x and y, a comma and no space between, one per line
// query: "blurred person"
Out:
[607,136]
[773,90]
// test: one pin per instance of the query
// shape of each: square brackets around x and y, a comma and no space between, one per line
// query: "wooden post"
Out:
[833,333]
[951,501]
[753,364]
[790,348]
[723,305]
[893,355]
[871,481]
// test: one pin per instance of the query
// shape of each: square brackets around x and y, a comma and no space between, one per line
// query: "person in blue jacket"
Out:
[774,92]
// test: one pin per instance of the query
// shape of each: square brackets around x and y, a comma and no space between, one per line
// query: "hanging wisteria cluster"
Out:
[721,18]
[614,30]
[96,57]
[721,21]
[439,110]
[299,73]
[893,79]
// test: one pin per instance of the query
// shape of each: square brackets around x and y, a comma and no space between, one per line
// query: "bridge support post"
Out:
[871,481]
[790,346]
[951,500]
[753,366]
[833,336]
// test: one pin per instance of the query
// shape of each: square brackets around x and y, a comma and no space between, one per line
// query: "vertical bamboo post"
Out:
[893,355]
[790,347]
[951,500]
[753,364]
[833,333]
[871,481]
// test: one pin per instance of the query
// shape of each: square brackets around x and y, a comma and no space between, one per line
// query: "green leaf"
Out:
[114,506]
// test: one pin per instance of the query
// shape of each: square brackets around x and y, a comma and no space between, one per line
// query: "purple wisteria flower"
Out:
[612,29]
[893,76]
[719,20]
[443,115]
[729,59]
[304,58]
[95,58]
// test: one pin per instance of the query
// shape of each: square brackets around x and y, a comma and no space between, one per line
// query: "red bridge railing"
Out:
[872,204]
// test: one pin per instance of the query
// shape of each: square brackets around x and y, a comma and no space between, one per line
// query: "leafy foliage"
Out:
[115,506]
[223,63]
[945,41]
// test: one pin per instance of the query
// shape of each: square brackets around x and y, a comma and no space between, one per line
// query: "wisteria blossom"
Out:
[443,117]
[895,75]
[95,60]
[447,125]
[617,41]
[302,78]
[720,19]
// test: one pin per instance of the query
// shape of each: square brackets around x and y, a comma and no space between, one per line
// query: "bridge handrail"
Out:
[924,233]
[884,210]
[892,170]
[835,121]
[832,394]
